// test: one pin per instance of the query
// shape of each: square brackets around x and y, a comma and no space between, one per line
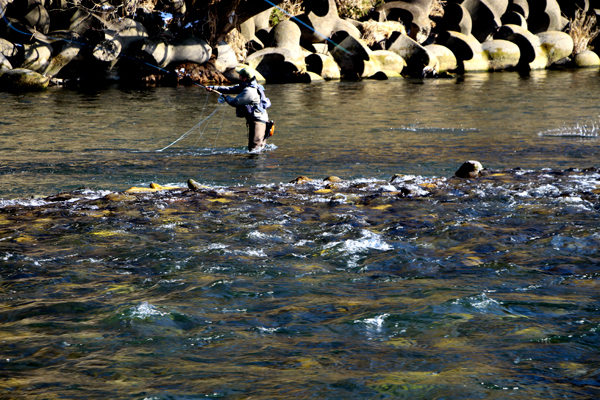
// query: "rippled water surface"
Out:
[395,281]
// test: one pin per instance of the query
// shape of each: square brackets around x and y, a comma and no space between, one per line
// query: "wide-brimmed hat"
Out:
[246,73]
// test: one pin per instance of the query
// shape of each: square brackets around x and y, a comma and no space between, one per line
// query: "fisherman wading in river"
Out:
[250,103]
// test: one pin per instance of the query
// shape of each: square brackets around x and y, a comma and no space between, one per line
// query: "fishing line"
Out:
[201,114]
[198,125]
[206,127]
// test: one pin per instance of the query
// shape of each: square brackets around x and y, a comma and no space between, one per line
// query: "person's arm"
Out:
[226,89]
[246,96]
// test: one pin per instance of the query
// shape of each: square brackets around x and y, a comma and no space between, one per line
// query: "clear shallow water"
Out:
[421,287]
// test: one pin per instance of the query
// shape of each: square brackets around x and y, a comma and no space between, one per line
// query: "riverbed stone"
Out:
[587,59]
[470,169]
[22,80]
[301,180]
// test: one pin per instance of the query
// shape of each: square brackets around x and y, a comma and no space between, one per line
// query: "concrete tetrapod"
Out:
[456,18]
[323,18]
[443,59]
[486,15]
[555,46]
[4,63]
[285,60]
[528,43]
[467,49]
[545,15]
[117,39]
[501,54]
[22,80]
[416,56]
[537,51]
[414,15]
[353,57]
[323,65]
[184,49]
[64,51]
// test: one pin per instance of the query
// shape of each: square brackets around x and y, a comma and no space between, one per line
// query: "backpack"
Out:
[265,102]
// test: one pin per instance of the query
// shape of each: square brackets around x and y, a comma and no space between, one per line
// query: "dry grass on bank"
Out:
[237,42]
[355,9]
[583,31]
[437,8]
[374,32]
[291,8]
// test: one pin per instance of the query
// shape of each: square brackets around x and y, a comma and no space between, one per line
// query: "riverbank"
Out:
[67,45]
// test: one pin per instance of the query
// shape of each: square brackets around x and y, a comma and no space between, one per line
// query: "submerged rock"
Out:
[301,179]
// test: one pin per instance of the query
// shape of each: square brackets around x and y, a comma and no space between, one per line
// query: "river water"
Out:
[397,281]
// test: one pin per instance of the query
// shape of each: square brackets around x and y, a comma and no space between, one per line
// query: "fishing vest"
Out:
[247,111]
